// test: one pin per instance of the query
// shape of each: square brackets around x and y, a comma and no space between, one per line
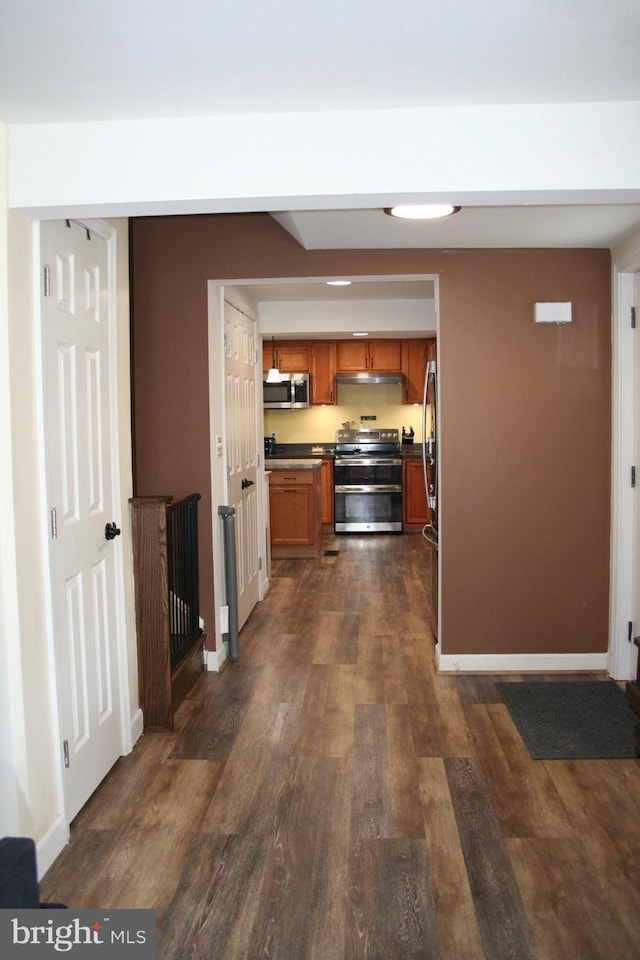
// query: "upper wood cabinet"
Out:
[415,354]
[291,356]
[323,372]
[381,356]
[324,358]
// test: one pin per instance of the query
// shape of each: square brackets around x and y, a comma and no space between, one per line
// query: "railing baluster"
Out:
[182,536]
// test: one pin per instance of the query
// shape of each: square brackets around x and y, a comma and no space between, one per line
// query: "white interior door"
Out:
[78,410]
[241,451]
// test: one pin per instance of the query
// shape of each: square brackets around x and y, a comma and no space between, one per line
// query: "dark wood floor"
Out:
[329,797]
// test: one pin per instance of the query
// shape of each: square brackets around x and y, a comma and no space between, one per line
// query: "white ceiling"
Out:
[362,288]
[82,60]
[540,226]
[91,60]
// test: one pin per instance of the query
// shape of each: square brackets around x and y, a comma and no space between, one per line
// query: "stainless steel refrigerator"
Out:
[430,466]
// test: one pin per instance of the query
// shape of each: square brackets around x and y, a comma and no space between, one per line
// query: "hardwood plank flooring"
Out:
[331,797]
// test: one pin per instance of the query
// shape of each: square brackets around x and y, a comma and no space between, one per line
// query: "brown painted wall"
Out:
[526,415]
[526,448]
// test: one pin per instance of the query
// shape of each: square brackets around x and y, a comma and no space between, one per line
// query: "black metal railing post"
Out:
[230,576]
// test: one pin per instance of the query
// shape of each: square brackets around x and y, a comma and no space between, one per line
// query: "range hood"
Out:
[369,376]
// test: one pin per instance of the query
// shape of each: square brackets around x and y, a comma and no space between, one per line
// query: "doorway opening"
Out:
[304,309]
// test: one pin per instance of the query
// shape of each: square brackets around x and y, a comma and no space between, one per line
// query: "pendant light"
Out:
[274,374]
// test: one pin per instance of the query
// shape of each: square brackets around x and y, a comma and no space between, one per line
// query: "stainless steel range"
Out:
[367,478]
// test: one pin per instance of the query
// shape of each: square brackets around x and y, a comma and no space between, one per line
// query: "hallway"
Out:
[329,797]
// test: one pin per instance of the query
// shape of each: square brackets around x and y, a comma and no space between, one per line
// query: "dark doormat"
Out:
[571,719]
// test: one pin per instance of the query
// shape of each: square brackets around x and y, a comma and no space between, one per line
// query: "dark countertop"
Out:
[303,451]
[294,463]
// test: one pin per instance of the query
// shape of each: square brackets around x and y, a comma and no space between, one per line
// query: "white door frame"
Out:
[109,234]
[217,433]
[621,658]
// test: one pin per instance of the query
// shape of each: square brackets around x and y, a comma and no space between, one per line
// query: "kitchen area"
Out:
[349,440]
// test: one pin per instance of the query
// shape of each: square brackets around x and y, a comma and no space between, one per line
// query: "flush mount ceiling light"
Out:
[338,283]
[421,211]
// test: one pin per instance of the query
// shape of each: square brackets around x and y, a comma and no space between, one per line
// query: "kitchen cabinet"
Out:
[326,491]
[383,356]
[295,512]
[323,372]
[414,496]
[415,354]
[291,356]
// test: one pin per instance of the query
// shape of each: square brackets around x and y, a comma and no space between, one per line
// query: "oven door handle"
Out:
[369,488]
[368,462]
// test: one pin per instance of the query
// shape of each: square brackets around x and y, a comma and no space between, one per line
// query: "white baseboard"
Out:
[137,726]
[215,658]
[521,662]
[51,845]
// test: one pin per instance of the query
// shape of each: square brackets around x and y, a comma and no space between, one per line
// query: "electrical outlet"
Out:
[224,619]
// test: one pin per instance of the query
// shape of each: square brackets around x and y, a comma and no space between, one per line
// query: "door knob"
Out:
[246,483]
[111,531]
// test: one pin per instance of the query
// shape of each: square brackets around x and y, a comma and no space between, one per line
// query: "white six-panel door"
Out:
[76,356]
[241,451]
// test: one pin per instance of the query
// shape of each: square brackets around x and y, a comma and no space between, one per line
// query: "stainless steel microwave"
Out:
[292,392]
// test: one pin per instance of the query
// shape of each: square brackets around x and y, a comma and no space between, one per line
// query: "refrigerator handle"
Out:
[429,447]
[424,428]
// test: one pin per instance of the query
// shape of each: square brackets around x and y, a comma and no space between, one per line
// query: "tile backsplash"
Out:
[319,424]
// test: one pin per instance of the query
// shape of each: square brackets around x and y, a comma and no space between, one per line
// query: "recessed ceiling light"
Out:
[361,334]
[339,283]
[421,211]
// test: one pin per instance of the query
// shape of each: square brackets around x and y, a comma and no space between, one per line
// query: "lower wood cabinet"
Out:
[326,491]
[295,513]
[414,497]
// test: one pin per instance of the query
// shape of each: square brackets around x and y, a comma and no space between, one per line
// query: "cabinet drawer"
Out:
[291,478]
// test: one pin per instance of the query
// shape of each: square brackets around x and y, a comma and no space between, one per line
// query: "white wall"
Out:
[11,738]
[31,792]
[342,317]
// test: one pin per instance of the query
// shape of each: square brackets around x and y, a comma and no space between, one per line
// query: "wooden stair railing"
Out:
[161,685]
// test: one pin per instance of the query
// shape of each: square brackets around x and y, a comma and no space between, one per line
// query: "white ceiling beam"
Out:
[552,153]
